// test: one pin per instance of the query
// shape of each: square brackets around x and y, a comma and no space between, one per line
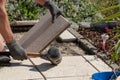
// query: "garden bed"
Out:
[95,38]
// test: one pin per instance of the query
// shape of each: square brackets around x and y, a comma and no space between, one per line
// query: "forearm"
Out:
[41,2]
[1,43]
[5,29]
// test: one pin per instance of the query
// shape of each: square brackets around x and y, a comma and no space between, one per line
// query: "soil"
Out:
[95,38]
[92,36]
[66,48]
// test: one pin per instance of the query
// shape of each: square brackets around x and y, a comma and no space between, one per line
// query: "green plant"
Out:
[22,10]
[116,49]
[79,10]
[111,16]
[112,12]
[75,10]
[115,55]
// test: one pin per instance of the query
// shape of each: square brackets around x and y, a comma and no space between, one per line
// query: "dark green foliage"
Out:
[75,10]
[23,10]
[79,10]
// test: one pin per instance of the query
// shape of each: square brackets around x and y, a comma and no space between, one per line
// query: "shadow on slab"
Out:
[43,67]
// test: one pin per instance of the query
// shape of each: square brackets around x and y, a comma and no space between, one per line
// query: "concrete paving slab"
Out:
[66,36]
[66,78]
[71,68]
[98,63]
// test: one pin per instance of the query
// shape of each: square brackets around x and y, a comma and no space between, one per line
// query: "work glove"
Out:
[54,10]
[104,26]
[17,52]
[53,55]
[4,59]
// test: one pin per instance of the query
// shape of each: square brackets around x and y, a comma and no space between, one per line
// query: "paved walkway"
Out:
[71,68]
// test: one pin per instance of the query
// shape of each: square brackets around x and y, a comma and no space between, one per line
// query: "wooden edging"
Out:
[87,46]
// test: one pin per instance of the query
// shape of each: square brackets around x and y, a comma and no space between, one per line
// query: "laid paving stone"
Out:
[71,68]
[66,36]
[98,63]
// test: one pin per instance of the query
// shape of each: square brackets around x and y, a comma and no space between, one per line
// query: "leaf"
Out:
[117,47]
[116,36]
[109,8]
[116,56]
[111,17]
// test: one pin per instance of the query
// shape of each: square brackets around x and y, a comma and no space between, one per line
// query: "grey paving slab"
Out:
[71,68]
[66,78]
[67,36]
[98,63]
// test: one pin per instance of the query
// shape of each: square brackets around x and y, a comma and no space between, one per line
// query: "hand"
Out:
[53,55]
[17,52]
[54,10]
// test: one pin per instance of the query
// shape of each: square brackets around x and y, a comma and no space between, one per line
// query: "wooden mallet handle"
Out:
[30,54]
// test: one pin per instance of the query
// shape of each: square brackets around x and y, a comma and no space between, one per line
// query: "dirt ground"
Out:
[97,41]
[66,48]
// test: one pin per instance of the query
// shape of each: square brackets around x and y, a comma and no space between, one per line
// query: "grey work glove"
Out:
[4,60]
[54,10]
[17,52]
[53,55]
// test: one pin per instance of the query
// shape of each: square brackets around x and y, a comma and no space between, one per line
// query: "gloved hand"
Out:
[53,55]
[104,26]
[17,52]
[4,59]
[54,10]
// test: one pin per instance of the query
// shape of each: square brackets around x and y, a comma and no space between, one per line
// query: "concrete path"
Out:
[71,68]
